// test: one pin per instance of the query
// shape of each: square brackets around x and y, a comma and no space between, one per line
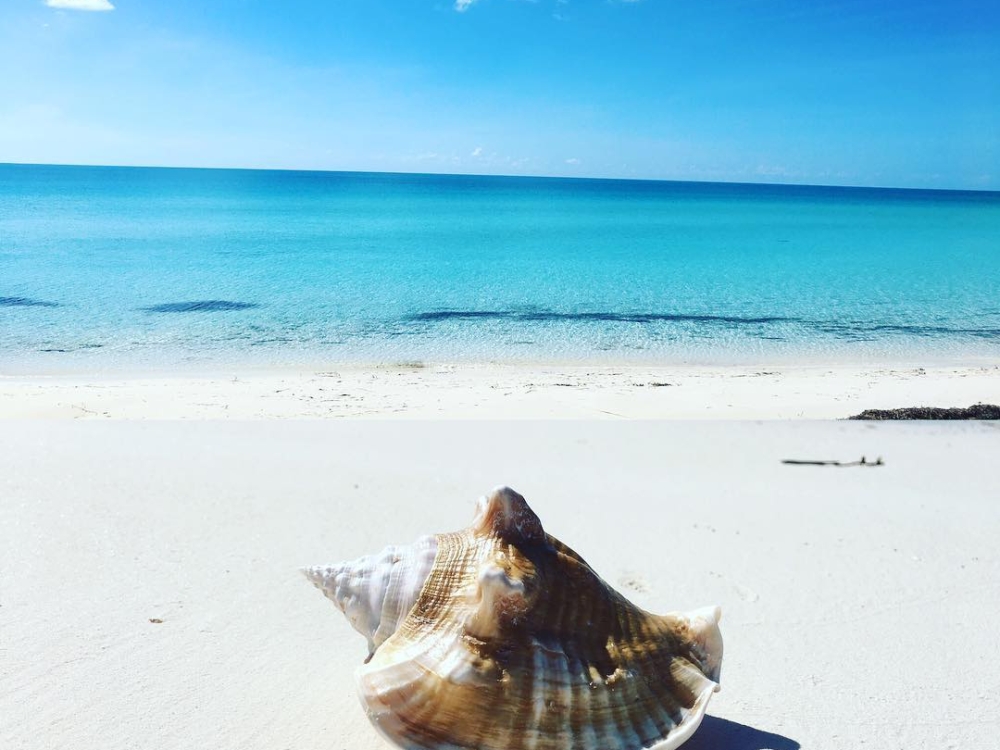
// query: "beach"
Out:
[212,378]
[502,391]
[151,595]
[714,286]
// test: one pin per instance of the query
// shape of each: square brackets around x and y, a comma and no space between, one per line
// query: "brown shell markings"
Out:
[512,642]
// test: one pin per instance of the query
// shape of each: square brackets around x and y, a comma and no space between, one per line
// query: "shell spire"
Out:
[507,640]
[376,592]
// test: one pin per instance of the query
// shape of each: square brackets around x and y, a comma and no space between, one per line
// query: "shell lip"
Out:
[687,728]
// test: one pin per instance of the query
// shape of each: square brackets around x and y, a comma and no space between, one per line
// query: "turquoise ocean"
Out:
[131,268]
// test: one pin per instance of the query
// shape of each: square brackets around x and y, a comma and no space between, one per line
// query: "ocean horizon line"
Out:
[554,178]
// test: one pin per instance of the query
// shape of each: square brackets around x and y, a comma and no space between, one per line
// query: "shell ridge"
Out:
[406,577]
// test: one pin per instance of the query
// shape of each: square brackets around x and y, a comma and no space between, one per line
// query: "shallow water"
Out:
[134,267]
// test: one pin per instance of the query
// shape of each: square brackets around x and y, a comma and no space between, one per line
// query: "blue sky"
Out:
[902,93]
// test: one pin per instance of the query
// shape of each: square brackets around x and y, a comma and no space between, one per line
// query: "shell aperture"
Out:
[500,637]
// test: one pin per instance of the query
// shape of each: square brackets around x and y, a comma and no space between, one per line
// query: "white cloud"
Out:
[574,161]
[477,151]
[463,5]
[80,4]
[774,170]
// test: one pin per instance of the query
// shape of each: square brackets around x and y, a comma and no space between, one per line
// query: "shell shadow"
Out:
[720,734]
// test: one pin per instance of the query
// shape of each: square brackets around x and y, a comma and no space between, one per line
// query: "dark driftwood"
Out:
[977,411]
[863,462]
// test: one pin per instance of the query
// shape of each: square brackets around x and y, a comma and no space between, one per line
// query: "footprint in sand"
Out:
[746,593]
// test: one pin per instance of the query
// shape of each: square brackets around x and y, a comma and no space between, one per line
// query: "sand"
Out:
[859,604]
[486,391]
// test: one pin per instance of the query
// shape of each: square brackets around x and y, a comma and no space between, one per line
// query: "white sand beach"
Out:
[284,284]
[150,594]
[503,391]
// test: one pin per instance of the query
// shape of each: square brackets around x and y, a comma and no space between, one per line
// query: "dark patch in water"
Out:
[983,333]
[855,330]
[25,302]
[544,316]
[859,332]
[204,305]
[67,351]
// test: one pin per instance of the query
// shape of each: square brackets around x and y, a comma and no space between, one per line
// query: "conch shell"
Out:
[500,637]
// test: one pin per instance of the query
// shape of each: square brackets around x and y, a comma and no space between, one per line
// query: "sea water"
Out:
[108,267]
